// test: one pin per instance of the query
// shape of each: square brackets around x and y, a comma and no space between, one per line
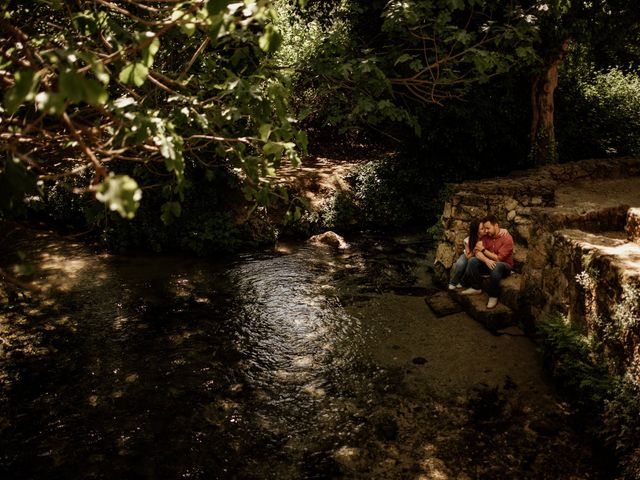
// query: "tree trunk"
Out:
[543,138]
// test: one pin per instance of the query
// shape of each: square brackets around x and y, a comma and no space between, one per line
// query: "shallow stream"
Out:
[297,363]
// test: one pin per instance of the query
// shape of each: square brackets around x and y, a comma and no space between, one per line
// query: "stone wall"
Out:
[520,202]
[577,249]
[633,225]
[594,280]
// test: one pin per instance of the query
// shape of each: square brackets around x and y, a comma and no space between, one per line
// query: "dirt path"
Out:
[319,176]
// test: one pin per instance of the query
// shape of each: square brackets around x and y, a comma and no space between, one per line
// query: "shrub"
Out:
[396,191]
[576,368]
[597,112]
[608,405]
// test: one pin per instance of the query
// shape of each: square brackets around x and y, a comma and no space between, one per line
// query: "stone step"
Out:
[476,307]
[511,291]
[442,304]
[588,217]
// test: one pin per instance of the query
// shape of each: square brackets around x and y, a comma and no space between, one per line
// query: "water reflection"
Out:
[186,368]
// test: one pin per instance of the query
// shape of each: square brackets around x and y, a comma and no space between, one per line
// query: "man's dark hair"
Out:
[490,218]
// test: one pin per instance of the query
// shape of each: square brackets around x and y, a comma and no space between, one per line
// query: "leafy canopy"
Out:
[95,88]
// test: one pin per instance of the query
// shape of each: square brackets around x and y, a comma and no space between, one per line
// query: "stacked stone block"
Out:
[632,226]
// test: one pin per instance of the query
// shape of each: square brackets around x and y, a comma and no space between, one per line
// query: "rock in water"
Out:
[330,238]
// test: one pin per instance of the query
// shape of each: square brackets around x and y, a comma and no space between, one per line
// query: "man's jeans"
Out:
[458,270]
[476,268]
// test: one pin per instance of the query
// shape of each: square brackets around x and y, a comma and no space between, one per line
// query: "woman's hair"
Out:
[473,233]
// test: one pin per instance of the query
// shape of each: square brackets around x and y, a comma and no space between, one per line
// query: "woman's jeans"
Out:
[458,270]
[475,270]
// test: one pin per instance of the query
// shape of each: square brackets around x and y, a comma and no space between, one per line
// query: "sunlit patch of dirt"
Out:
[317,177]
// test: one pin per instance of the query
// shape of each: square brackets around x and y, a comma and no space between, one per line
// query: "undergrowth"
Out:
[607,406]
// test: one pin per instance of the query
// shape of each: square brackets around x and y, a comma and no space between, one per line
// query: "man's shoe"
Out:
[471,291]
[493,301]
[452,286]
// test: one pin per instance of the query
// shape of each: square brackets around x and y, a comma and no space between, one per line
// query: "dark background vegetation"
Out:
[481,131]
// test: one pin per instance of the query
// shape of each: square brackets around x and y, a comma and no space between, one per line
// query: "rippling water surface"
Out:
[248,367]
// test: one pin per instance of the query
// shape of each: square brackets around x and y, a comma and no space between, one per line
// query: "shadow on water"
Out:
[247,367]
[175,367]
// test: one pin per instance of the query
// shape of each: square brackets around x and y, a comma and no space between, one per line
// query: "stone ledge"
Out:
[589,279]
[511,290]
[542,182]
[594,219]
[611,247]
[442,304]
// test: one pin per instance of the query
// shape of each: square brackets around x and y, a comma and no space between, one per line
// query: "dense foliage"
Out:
[597,110]
[138,93]
[378,63]
[183,111]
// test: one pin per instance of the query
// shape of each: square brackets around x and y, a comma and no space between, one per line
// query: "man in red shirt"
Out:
[494,258]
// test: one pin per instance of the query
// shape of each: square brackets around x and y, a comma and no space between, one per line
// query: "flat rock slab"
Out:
[442,304]
[476,306]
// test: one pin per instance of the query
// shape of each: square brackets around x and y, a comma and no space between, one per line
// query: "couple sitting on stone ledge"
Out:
[488,251]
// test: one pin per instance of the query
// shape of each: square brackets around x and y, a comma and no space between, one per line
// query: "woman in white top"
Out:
[476,232]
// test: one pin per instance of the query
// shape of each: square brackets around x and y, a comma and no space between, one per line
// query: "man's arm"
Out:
[490,255]
[483,256]
[505,249]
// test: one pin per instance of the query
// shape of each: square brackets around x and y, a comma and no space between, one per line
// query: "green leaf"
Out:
[271,39]
[302,139]
[121,194]
[525,52]
[273,148]
[170,210]
[171,149]
[456,4]
[134,74]
[403,58]
[69,85]
[189,27]
[22,90]
[123,102]
[50,103]
[214,31]
[94,92]
[78,88]
[265,131]
[149,52]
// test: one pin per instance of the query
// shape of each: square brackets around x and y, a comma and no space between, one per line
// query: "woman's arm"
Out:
[468,253]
